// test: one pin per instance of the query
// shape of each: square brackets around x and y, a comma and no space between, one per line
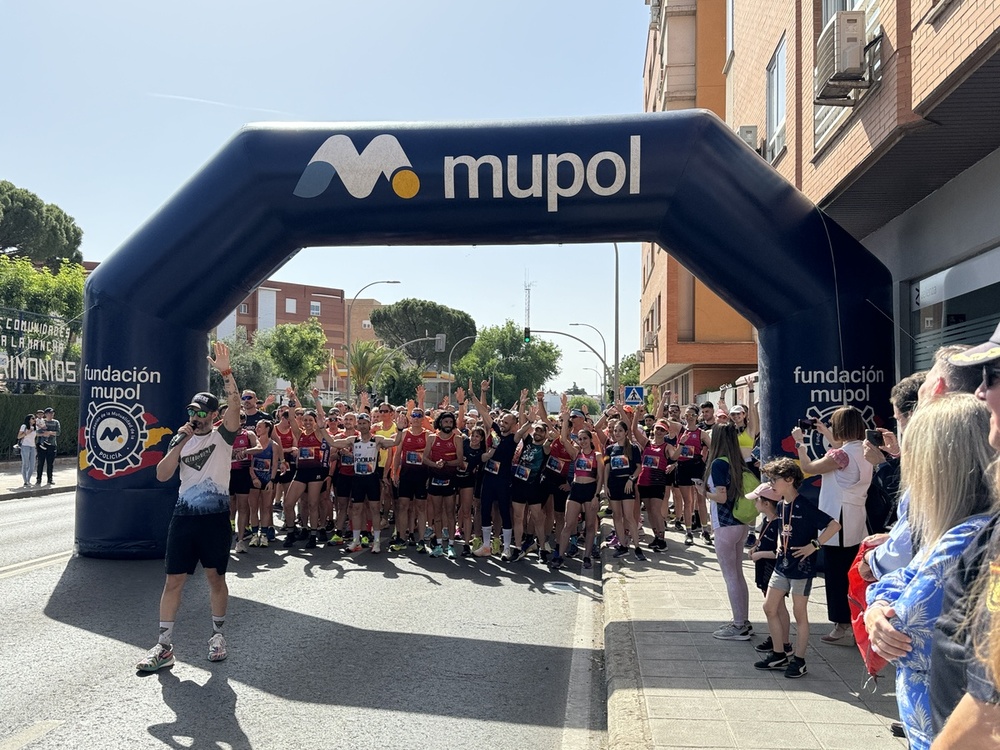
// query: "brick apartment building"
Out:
[276,302]
[886,114]
[692,340]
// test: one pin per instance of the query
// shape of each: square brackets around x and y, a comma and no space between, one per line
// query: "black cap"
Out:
[49,409]
[979,355]
[204,400]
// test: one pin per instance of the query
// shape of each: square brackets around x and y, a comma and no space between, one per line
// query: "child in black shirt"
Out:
[764,553]
[803,528]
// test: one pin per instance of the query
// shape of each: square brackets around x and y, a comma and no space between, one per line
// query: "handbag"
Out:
[17,449]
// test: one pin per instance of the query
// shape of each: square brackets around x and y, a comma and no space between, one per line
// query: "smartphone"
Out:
[875,438]
[807,424]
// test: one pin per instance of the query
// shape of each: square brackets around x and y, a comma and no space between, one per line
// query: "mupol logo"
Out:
[359,172]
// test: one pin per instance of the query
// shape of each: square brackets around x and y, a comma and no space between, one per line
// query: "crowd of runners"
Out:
[471,481]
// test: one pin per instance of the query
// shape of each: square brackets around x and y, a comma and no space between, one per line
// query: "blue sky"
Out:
[110,106]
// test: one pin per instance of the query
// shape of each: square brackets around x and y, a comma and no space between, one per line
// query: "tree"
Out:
[500,354]
[628,370]
[366,359]
[298,351]
[31,228]
[578,402]
[398,385]
[411,319]
[252,366]
[575,390]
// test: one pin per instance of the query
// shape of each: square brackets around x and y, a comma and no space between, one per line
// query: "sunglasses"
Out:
[200,413]
[417,414]
[246,398]
[991,376]
[385,411]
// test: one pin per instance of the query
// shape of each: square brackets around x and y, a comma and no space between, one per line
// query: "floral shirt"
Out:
[915,593]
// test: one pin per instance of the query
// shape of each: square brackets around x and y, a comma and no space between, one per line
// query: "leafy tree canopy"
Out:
[33,229]
[298,351]
[411,319]
[367,357]
[252,366]
[398,385]
[578,402]
[628,370]
[500,355]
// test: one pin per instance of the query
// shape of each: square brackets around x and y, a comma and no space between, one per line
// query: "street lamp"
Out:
[616,322]
[347,357]
[597,380]
[604,344]
[449,361]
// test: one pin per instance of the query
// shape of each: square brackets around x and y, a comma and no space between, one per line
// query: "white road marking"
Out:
[577,730]
[27,736]
[9,571]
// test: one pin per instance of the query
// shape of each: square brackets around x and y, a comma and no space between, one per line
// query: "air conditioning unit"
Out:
[748,134]
[840,58]
[649,340]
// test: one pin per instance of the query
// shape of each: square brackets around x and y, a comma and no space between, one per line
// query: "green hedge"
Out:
[14,407]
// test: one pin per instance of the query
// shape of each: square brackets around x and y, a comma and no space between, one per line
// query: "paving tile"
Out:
[853,737]
[837,712]
[676,686]
[761,735]
[691,708]
[689,734]
[670,668]
[667,651]
[758,711]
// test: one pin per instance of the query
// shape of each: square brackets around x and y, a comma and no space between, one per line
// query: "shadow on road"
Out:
[195,727]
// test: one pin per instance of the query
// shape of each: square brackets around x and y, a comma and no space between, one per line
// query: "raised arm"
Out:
[222,363]
[522,416]
[638,433]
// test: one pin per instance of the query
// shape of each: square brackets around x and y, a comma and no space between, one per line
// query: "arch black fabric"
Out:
[820,301]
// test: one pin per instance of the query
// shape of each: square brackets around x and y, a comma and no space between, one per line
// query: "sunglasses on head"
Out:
[200,413]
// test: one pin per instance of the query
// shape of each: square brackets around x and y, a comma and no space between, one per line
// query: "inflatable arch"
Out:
[820,301]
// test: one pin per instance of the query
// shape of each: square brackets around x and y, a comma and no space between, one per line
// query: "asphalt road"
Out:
[326,649]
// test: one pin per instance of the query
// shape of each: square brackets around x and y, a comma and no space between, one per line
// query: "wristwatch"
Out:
[815,543]
[798,445]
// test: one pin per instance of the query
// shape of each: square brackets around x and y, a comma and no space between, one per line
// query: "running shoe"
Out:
[733,632]
[438,551]
[620,551]
[477,542]
[255,540]
[290,538]
[376,546]
[336,538]
[421,547]
[322,537]
[158,657]
[639,556]
[766,646]
[678,526]
[556,562]
[483,551]
[365,540]
[505,557]
[241,546]
[772,660]
[587,562]
[450,552]
[495,545]
[217,647]
[311,541]
[751,541]
[428,534]
[329,527]
[706,537]
[514,554]
[796,667]
[466,550]
[270,534]
[688,539]
[262,540]
[529,545]
[354,546]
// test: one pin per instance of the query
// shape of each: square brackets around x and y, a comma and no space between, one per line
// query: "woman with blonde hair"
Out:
[946,468]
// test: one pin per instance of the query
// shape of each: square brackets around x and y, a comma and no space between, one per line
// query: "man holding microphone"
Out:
[199,530]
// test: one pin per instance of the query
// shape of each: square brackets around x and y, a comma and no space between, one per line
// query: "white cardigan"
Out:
[843,495]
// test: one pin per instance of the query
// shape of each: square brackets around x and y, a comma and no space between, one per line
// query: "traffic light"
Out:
[439,342]
[527,335]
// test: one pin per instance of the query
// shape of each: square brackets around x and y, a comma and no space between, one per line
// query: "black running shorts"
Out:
[198,539]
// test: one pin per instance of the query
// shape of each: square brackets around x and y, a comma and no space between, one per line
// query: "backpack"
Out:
[744,509]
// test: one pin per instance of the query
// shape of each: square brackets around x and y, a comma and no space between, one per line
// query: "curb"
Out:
[627,720]
[20,492]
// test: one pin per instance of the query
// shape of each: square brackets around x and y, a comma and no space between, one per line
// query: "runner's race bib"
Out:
[362,467]
[582,465]
[554,464]
[346,459]
[650,462]
[306,454]
[440,482]
[619,462]
[522,473]
[262,464]
[413,458]
[493,467]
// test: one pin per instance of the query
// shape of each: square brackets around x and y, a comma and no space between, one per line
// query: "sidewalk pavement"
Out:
[63,474]
[671,684]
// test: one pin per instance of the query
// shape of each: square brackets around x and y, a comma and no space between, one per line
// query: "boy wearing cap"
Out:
[199,530]
[803,529]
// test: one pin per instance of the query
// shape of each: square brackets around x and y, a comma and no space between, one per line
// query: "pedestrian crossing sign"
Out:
[634,395]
